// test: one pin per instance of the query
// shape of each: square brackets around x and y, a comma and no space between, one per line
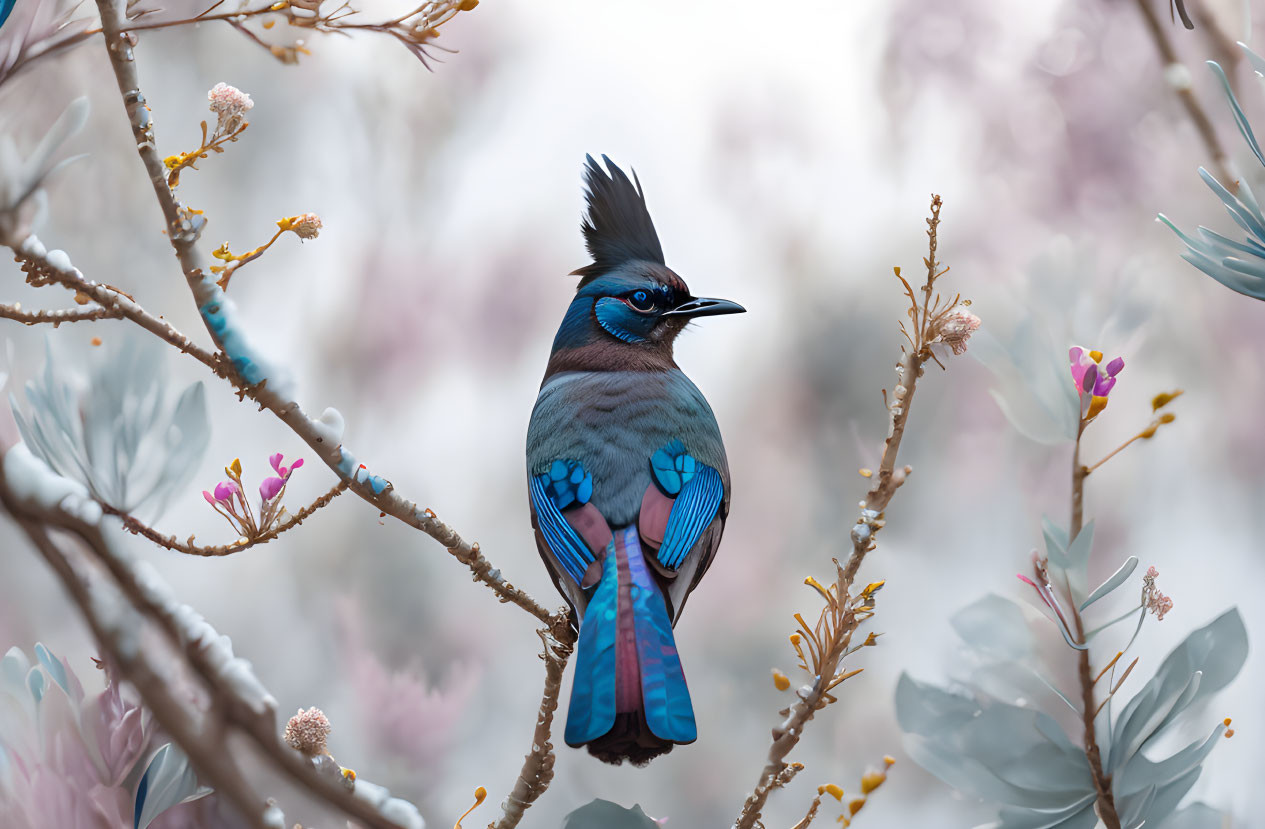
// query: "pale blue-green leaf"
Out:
[55,668]
[1133,811]
[1194,816]
[1000,752]
[169,780]
[1015,681]
[1038,401]
[1140,772]
[1258,63]
[1056,542]
[1166,797]
[1217,651]
[995,626]
[1079,815]
[1245,127]
[1117,578]
[13,669]
[603,814]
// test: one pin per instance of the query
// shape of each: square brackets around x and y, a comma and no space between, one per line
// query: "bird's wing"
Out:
[683,506]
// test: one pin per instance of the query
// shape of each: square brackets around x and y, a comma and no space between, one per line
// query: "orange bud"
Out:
[780,680]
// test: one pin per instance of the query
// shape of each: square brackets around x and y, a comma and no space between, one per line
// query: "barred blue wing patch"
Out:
[673,467]
[695,507]
[563,541]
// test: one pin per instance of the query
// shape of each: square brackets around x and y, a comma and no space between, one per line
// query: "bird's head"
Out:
[629,305]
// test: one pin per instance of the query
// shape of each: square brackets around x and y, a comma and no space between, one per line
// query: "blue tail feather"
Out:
[592,710]
[665,699]
[665,696]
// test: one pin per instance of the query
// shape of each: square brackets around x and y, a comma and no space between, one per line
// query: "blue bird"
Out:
[627,476]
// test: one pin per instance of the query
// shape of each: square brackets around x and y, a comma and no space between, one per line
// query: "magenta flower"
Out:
[271,487]
[1093,380]
[229,498]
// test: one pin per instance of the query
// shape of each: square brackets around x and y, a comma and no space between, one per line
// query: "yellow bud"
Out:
[896,270]
[171,161]
[468,5]
[223,253]
[480,794]
[1148,432]
[797,766]
[1096,356]
[1226,722]
[780,680]
[1161,400]
[236,466]
[889,760]
[865,473]
[1229,732]
[1096,405]
[349,774]
[832,790]
[268,24]
[1167,417]
[872,780]
[871,640]
[795,637]
[873,587]
[855,804]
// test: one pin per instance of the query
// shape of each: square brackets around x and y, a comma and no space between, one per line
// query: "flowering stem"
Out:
[135,527]
[1089,708]
[183,239]
[1114,452]
[237,261]
[886,481]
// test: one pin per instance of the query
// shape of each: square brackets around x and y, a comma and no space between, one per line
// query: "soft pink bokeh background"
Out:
[787,156]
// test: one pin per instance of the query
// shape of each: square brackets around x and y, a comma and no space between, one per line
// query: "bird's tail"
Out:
[629,700]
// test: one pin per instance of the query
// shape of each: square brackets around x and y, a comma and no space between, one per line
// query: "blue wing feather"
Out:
[592,710]
[572,554]
[695,507]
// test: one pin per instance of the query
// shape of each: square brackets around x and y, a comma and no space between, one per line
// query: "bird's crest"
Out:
[617,228]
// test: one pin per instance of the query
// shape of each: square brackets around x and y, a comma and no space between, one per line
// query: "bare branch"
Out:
[537,770]
[56,318]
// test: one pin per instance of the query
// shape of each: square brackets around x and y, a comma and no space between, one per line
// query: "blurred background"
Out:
[787,155]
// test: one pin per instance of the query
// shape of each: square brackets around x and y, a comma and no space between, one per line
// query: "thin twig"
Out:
[136,527]
[56,318]
[1178,77]
[537,770]
[787,734]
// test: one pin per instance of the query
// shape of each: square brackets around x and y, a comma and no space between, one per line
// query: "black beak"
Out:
[705,307]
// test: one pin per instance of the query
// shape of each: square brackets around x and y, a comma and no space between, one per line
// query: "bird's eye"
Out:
[640,301]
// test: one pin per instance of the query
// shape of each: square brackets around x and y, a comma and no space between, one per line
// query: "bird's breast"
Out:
[612,422]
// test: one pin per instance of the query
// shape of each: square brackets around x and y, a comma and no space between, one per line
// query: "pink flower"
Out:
[957,328]
[1093,381]
[307,731]
[1152,599]
[271,487]
[225,490]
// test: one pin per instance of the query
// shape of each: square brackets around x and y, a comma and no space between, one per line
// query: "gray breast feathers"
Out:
[612,422]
